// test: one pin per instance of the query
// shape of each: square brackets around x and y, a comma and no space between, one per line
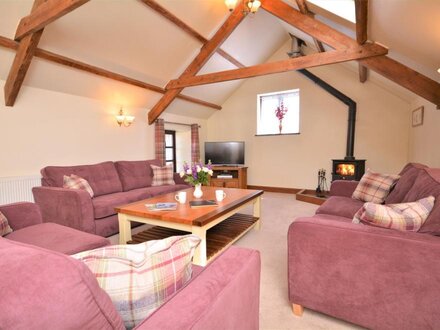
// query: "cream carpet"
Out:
[278,211]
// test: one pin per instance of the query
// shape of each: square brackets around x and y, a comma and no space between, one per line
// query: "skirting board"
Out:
[275,189]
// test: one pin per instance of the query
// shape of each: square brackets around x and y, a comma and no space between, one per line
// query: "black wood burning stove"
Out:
[344,169]
[348,168]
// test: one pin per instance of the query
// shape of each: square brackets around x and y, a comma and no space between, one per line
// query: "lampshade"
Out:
[122,119]
[253,6]
[230,4]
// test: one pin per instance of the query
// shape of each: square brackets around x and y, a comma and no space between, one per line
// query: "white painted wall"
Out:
[52,128]
[424,140]
[293,160]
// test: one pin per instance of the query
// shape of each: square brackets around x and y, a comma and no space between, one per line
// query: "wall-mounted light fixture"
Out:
[122,119]
[250,6]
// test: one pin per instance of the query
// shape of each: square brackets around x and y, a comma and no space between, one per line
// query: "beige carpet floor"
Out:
[278,211]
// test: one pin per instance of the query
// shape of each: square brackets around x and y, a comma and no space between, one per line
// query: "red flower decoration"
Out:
[280,111]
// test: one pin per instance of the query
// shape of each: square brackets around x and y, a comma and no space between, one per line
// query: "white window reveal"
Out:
[278,113]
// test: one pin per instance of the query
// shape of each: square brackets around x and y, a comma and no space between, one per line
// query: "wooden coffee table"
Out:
[217,226]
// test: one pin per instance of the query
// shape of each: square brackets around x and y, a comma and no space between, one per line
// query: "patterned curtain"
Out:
[195,145]
[159,139]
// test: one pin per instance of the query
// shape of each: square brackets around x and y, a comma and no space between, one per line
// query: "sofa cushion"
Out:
[162,175]
[104,206]
[42,289]
[76,182]
[58,238]
[160,190]
[136,174]
[374,187]
[4,225]
[402,216]
[408,176]
[342,206]
[139,278]
[102,177]
[427,184]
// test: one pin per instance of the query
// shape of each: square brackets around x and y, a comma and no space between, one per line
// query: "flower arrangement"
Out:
[280,111]
[197,173]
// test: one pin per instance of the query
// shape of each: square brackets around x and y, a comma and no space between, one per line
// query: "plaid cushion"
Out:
[139,278]
[404,216]
[76,182]
[163,175]
[4,225]
[374,187]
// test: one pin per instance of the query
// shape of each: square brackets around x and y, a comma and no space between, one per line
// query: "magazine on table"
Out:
[162,207]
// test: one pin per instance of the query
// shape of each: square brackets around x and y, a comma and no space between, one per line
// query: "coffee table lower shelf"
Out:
[217,238]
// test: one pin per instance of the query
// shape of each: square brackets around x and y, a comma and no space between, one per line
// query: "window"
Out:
[170,148]
[278,113]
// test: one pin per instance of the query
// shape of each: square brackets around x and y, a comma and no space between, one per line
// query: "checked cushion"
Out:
[162,175]
[374,187]
[4,225]
[139,278]
[403,216]
[76,182]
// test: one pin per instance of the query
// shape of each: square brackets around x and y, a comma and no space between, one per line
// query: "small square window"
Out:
[278,113]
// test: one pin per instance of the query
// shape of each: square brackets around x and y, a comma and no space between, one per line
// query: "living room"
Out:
[64,115]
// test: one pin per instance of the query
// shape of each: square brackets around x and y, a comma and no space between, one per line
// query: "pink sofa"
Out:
[113,183]
[42,289]
[28,227]
[375,277]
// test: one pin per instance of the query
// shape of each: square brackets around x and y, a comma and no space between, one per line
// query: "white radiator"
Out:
[18,189]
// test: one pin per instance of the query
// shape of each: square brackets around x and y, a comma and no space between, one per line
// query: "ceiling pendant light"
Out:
[253,6]
[230,4]
[250,6]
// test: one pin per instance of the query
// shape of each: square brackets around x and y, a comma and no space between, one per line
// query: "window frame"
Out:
[297,91]
[173,147]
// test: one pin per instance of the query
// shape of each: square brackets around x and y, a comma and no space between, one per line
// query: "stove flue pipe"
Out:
[349,155]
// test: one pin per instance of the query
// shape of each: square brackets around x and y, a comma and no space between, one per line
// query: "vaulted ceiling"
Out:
[129,38]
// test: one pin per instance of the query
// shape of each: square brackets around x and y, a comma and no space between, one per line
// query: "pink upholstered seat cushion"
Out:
[340,206]
[58,238]
[41,289]
[102,177]
[160,190]
[104,206]
[136,174]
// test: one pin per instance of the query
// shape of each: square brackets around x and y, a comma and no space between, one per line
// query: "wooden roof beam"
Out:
[361,9]
[389,68]
[66,61]
[189,30]
[47,12]
[22,62]
[302,5]
[204,55]
[302,62]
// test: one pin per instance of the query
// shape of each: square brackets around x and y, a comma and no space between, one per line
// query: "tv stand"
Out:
[230,177]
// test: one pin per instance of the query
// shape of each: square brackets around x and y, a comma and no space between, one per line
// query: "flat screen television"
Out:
[225,153]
